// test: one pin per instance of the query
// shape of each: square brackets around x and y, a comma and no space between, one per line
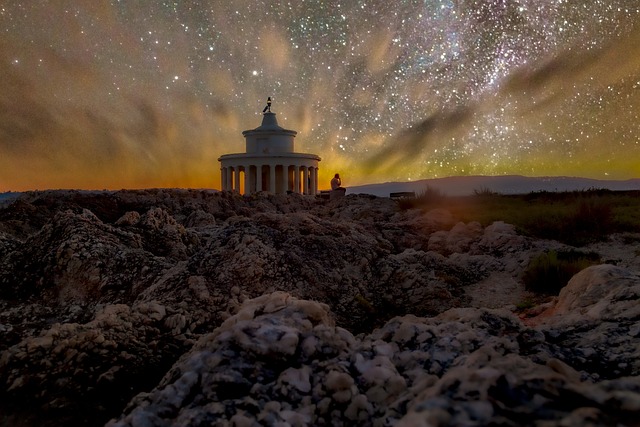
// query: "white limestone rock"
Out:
[464,367]
[601,292]
[200,218]
[501,238]
[93,313]
[130,218]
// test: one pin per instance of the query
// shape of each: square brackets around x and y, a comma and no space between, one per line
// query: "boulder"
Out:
[281,360]
[596,318]
[600,292]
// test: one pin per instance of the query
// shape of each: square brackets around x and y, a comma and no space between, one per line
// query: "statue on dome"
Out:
[268,107]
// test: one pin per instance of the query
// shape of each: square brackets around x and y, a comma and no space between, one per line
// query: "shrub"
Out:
[365,303]
[550,271]
[428,196]
[431,195]
[525,304]
[485,192]
[576,221]
[594,217]
[576,218]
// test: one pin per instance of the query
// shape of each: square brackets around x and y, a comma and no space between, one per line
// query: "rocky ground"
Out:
[188,307]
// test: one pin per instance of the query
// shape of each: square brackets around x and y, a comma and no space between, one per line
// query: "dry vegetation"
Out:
[575,218]
[550,271]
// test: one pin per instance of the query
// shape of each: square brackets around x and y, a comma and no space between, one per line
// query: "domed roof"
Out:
[269,122]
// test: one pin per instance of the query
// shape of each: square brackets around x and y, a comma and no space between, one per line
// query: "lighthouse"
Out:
[269,162]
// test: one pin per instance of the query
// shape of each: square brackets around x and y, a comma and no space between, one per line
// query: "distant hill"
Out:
[7,197]
[464,185]
[508,184]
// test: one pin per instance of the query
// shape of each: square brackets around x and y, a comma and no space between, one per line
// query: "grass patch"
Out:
[550,271]
[575,218]
[525,304]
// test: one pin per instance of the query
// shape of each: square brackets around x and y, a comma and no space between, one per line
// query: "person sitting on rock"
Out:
[336,182]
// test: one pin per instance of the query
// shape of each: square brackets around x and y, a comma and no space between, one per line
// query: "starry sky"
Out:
[109,94]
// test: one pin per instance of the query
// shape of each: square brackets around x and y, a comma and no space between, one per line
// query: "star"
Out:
[149,94]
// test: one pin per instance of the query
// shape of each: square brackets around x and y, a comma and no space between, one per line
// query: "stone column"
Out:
[314,182]
[228,180]
[316,175]
[223,176]
[247,180]
[258,178]
[284,183]
[272,178]
[296,179]
[237,178]
[305,180]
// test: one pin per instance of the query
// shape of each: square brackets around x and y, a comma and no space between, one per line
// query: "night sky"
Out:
[116,94]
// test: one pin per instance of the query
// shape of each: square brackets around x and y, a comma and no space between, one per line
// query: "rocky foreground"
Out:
[195,308]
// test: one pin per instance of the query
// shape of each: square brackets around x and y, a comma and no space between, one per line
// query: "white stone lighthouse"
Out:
[270,162]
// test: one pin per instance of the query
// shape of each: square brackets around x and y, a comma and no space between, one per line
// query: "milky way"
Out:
[113,94]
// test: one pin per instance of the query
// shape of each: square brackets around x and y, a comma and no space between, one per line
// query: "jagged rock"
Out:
[500,238]
[119,349]
[102,292]
[457,240]
[129,218]
[411,229]
[268,332]
[601,292]
[282,360]
[597,319]
[76,258]
[8,244]
[200,218]
[164,236]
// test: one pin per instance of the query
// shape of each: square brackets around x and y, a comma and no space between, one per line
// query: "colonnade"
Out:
[273,178]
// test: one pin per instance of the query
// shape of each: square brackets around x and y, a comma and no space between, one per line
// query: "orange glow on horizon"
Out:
[140,112]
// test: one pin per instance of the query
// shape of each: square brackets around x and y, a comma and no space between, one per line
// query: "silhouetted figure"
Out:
[268,107]
[337,190]
[336,182]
